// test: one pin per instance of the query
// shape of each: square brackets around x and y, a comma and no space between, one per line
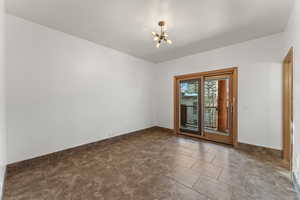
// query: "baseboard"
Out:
[296,185]
[251,147]
[27,162]
[243,146]
[247,147]
[164,129]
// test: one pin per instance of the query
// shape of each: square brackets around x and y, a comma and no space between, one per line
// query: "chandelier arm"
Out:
[162,37]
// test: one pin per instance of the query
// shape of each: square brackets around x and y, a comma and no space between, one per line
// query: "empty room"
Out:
[149,100]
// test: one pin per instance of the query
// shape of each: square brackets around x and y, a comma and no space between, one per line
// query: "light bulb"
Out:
[157,45]
[155,38]
[153,33]
[169,41]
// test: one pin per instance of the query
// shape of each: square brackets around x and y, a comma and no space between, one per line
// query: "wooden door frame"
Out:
[287,152]
[234,72]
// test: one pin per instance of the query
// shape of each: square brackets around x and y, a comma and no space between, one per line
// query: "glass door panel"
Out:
[206,105]
[217,105]
[189,101]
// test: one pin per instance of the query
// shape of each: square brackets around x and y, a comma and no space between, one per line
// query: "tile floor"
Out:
[150,165]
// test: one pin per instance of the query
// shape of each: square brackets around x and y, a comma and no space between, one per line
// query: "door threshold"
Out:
[206,138]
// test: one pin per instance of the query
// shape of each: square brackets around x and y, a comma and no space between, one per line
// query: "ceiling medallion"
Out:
[162,36]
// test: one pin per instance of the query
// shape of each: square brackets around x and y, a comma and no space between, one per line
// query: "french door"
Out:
[205,105]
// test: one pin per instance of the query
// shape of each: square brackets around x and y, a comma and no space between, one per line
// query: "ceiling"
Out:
[126,25]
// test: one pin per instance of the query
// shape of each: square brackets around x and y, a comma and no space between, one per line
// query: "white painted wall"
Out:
[260,87]
[63,91]
[292,38]
[2,100]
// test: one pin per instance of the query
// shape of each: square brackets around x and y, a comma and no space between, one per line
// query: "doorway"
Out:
[288,109]
[206,105]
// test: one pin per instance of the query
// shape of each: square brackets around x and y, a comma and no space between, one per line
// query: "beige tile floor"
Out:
[150,165]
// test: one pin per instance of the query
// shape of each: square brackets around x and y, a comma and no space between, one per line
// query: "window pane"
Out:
[189,105]
[216,105]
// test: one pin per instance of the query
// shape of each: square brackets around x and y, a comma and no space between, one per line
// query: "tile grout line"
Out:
[220,173]
[195,181]
[191,188]
[215,156]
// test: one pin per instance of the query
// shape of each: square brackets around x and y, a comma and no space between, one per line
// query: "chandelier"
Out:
[162,36]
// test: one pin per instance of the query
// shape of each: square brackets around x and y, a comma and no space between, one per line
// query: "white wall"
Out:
[260,87]
[292,38]
[2,100]
[63,91]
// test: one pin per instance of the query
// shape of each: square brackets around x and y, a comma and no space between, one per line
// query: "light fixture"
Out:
[162,36]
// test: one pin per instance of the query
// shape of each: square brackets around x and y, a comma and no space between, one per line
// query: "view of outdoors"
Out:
[210,104]
[216,103]
[189,112]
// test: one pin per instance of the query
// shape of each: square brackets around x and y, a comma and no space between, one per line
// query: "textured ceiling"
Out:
[126,25]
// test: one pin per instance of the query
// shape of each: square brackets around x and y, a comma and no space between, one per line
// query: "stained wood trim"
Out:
[200,103]
[201,114]
[287,153]
[163,129]
[250,147]
[235,107]
[44,158]
[211,137]
[210,73]
[176,111]
[234,72]
[217,77]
